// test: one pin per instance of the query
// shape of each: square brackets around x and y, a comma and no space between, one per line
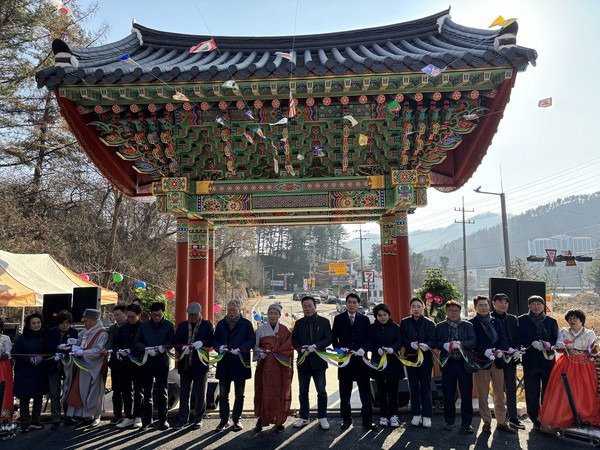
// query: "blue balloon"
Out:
[140,285]
[257,317]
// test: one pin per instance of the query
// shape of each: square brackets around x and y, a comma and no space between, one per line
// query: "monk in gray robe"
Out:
[84,389]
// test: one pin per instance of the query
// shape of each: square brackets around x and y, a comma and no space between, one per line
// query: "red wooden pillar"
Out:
[389,263]
[181,271]
[403,263]
[198,263]
[209,314]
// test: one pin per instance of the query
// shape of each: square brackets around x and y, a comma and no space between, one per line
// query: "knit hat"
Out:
[194,308]
[536,298]
[275,306]
[91,314]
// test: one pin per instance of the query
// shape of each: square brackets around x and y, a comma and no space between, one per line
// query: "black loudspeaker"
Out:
[84,298]
[508,286]
[526,290]
[53,304]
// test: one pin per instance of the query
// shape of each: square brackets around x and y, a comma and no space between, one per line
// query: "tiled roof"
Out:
[403,47]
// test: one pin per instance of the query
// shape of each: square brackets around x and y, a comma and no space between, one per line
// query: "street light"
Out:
[263,277]
[504,228]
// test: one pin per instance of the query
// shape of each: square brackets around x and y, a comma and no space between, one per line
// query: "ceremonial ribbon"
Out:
[417,363]
[381,365]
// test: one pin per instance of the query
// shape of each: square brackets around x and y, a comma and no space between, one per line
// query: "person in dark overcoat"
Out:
[418,332]
[385,337]
[191,335]
[452,336]
[234,337]
[350,331]
[59,339]
[537,332]
[31,373]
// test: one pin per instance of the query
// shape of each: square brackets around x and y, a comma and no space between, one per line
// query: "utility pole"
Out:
[464,230]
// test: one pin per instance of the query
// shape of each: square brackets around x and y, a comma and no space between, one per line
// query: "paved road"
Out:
[106,437]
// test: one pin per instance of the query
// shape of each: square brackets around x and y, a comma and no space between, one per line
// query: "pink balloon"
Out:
[85,276]
[217,307]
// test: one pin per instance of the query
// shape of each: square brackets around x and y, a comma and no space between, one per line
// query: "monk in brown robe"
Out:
[273,378]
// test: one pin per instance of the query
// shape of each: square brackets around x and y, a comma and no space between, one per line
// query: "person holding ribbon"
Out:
[510,327]
[350,332]
[6,376]
[273,377]
[132,384]
[85,374]
[386,339]
[577,345]
[453,337]
[58,341]
[155,339]
[234,337]
[192,335]
[538,333]
[31,376]
[418,334]
[488,354]
[311,333]
[117,375]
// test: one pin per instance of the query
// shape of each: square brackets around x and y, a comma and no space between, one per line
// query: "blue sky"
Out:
[543,154]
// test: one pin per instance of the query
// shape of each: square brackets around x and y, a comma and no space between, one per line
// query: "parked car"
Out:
[331,300]
[271,295]
[317,298]
[340,306]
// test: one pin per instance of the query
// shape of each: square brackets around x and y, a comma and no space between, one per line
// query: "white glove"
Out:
[559,345]
[424,347]
[414,345]
[78,352]
[263,355]
[312,348]
[64,347]
[235,351]
[517,355]
[511,350]
[447,346]
[457,344]
[546,344]
[72,341]
[389,350]
[197,344]
[161,349]
[380,351]
[185,350]
[360,352]
[75,349]
[490,354]
[222,349]
[151,352]
[537,345]
[123,352]
[59,356]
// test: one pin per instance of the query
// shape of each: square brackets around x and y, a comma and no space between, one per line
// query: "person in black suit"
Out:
[191,335]
[57,340]
[536,331]
[351,332]
[452,335]
[510,326]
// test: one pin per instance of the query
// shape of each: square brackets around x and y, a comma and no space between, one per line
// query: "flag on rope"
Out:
[432,70]
[292,108]
[204,46]
[394,106]
[259,131]
[180,97]
[363,140]
[285,55]
[62,8]
[280,122]
[352,120]
[545,103]
[248,137]
[230,84]
[249,114]
[496,22]
[128,60]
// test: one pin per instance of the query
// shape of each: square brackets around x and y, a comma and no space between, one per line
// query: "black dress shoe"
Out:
[196,425]
[164,426]
[370,426]
[69,422]
[55,426]
[222,425]
[84,423]
[468,429]
[146,427]
[449,426]
[346,424]
[258,427]
[279,428]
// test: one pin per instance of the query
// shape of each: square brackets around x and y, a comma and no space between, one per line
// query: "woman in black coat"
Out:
[31,376]
[418,332]
[385,336]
